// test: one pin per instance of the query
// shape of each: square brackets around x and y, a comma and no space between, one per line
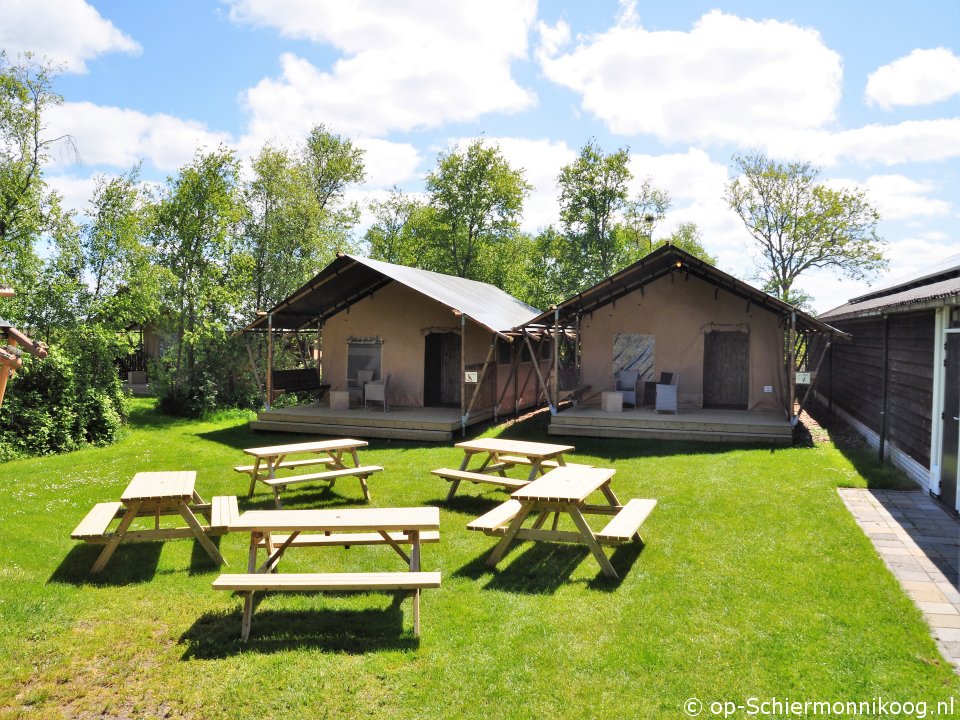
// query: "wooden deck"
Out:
[431,424]
[709,425]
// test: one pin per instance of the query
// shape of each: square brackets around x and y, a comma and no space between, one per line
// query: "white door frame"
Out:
[938,401]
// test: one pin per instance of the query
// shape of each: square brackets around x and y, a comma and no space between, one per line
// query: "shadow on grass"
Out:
[469,505]
[543,568]
[304,499]
[878,475]
[130,564]
[200,562]
[216,635]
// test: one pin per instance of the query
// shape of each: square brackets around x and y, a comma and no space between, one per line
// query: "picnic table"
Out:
[268,460]
[275,531]
[157,494]
[565,490]
[499,455]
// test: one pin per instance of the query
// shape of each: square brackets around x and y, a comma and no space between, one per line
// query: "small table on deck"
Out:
[152,494]
[502,454]
[322,452]
[346,527]
[565,489]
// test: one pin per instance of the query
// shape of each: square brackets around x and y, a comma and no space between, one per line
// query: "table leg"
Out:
[534,470]
[454,484]
[591,541]
[201,534]
[252,555]
[500,550]
[415,567]
[117,538]
[253,477]
[560,460]
[247,616]
[610,495]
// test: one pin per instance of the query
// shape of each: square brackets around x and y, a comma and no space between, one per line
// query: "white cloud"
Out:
[728,79]
[922,77]
[68,32]
[406,65]
[898,197]
[121,137]
[75,192]
[388,163]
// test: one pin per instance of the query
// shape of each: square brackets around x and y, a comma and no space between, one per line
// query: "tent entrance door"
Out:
[441,370]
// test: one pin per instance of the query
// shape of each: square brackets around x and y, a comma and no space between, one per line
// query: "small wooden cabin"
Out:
[898,381]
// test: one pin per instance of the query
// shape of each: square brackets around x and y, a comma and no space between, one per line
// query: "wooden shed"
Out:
[445,345]
[726,345]
[898,380]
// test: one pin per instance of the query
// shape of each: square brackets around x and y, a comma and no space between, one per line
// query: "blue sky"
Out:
[868,91]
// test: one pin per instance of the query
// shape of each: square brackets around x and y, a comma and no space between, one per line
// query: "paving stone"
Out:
[938,608]
[943,621]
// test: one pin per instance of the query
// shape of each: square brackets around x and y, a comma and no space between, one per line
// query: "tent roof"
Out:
[351,278]
[660,263]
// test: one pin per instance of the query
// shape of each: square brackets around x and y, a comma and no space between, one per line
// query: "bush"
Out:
[67,400]
[218,378]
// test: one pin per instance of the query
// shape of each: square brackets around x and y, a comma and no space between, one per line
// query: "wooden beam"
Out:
[536,367]
[512,377]
[253,363]
[269,360]
[556,357]
[483,374]
[463,372]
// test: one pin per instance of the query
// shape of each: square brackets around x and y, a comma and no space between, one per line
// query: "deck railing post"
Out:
[269,360]
[556,360]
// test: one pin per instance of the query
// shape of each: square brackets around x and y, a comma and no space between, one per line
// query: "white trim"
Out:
[914,470]
[936,419]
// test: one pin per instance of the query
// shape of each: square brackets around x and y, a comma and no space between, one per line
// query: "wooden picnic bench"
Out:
[565,490]
[269,460]
[500,455]
[156,495]
[363,526]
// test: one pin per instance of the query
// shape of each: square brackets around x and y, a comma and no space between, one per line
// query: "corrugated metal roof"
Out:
[660,263]
[947,266]
[912,296]
[351,278]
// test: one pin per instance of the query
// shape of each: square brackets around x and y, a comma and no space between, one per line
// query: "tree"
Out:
[476,199]
[593,190]
[641,215]
[687,237]
[28,208]
[801,224]
[396,234]
[123,288]
[193,234]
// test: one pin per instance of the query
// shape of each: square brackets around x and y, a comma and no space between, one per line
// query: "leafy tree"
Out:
[593,191]
[641,215]
[28,208]
[801,224]
[475,201]
[397,232]
[123,286]
[281,239]
[687,237]
[193,234]
[332,163]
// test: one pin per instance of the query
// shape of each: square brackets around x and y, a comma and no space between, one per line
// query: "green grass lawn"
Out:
[755,582]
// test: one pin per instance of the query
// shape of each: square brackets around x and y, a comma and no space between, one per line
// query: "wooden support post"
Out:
[576,348]
[791,365]
[885,371]
[483,373]
[813,380]
[463,374]
[830,387]
[556,359]
[513,376]
[536,367]
[269,360]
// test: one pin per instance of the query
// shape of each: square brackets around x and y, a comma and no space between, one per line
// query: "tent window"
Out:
[364,354]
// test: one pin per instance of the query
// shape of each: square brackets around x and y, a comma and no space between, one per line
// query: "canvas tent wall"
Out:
[898,380]
[392,316]
[673,312]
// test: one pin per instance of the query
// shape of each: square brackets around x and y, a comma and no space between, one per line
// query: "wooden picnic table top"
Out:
[515,447]
[316,446]
[350,519]
[565,484]
[160,486]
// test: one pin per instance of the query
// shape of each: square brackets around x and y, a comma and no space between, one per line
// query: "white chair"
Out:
[627,384]
[667,395]
[355,387]
[376,392]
